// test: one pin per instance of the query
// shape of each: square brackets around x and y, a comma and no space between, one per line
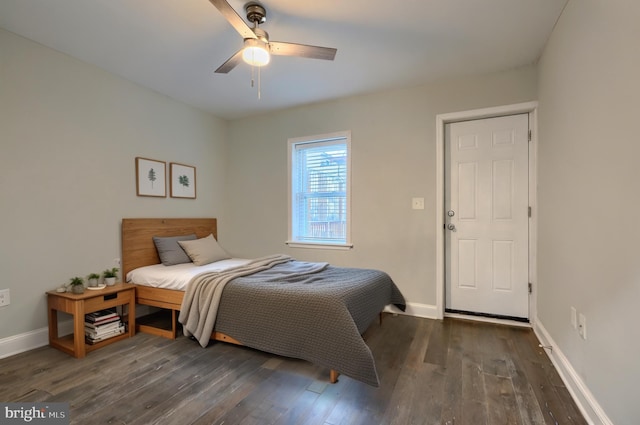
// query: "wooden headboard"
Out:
[138,249]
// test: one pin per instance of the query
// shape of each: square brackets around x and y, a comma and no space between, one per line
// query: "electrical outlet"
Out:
[582,326]
[116,261]
[574,318]
[5,297]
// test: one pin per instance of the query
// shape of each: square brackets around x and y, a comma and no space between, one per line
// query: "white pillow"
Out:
[204,251]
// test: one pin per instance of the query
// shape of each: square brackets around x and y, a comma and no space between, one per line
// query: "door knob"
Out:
[451,227]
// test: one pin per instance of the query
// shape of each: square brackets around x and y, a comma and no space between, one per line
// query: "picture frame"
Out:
[151,177]
[182,180]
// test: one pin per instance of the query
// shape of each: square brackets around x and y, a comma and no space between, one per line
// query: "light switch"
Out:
[417,203]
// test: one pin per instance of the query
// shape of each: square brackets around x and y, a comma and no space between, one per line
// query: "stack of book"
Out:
[101,325]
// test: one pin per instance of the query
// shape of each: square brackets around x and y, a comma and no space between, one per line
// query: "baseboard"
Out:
[26,341]
[587,403]
[427,311]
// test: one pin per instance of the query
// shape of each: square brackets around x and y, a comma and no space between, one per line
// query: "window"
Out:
[319,194]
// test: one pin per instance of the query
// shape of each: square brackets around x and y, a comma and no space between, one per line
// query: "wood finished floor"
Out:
[451,372]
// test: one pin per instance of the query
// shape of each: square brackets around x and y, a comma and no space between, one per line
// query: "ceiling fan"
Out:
[257,48]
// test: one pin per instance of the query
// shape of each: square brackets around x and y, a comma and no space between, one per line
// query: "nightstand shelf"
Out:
[80,304]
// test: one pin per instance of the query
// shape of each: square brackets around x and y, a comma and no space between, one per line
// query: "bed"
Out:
[318,317]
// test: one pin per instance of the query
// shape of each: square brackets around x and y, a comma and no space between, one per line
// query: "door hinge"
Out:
[529,211]
[529,135]
[530,287]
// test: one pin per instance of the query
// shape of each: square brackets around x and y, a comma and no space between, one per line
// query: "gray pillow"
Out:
[204,251]
[170,252]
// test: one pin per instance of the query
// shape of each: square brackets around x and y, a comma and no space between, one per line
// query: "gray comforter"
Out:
[309,311]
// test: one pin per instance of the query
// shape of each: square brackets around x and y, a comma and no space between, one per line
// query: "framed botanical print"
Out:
[151,177]
[183,181]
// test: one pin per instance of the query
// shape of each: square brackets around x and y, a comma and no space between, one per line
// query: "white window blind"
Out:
[319,184]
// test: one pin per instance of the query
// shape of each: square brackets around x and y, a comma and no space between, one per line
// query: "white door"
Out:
[487,216]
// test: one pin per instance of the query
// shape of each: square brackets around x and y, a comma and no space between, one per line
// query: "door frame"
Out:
[530,108]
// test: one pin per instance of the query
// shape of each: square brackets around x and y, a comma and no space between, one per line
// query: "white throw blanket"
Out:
[200,303]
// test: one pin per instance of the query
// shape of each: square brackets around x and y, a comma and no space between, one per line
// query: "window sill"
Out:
[314,245]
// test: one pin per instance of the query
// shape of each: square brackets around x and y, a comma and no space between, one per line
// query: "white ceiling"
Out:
[173,46]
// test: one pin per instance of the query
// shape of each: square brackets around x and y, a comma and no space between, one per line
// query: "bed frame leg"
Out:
[174,321]
[333,376]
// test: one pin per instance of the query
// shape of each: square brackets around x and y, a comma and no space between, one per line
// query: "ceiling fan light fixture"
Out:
[257,48]
[256,53]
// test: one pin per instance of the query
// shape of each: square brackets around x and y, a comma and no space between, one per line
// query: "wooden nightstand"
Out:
[80,304]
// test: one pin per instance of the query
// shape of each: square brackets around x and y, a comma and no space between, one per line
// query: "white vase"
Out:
[110,281]
[92,282]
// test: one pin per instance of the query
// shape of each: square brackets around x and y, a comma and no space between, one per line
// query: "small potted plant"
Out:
[110,276]
[92,279]
[77,285]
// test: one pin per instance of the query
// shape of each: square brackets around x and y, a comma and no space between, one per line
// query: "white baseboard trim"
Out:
[20,343]
[426,311]
[26,341]
[587,403]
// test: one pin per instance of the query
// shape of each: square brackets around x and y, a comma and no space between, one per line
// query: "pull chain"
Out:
[253,80]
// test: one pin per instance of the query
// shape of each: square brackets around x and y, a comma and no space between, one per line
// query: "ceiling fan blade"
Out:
[302,50]
[230,63]
[234,19]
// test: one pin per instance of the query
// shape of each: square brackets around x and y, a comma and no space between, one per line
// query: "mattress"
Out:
[177,277]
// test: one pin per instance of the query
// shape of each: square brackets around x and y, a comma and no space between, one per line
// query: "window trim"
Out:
[317,139]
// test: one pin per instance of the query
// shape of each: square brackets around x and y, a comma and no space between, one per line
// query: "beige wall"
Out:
[588,196]
[393,160]
[69,135]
